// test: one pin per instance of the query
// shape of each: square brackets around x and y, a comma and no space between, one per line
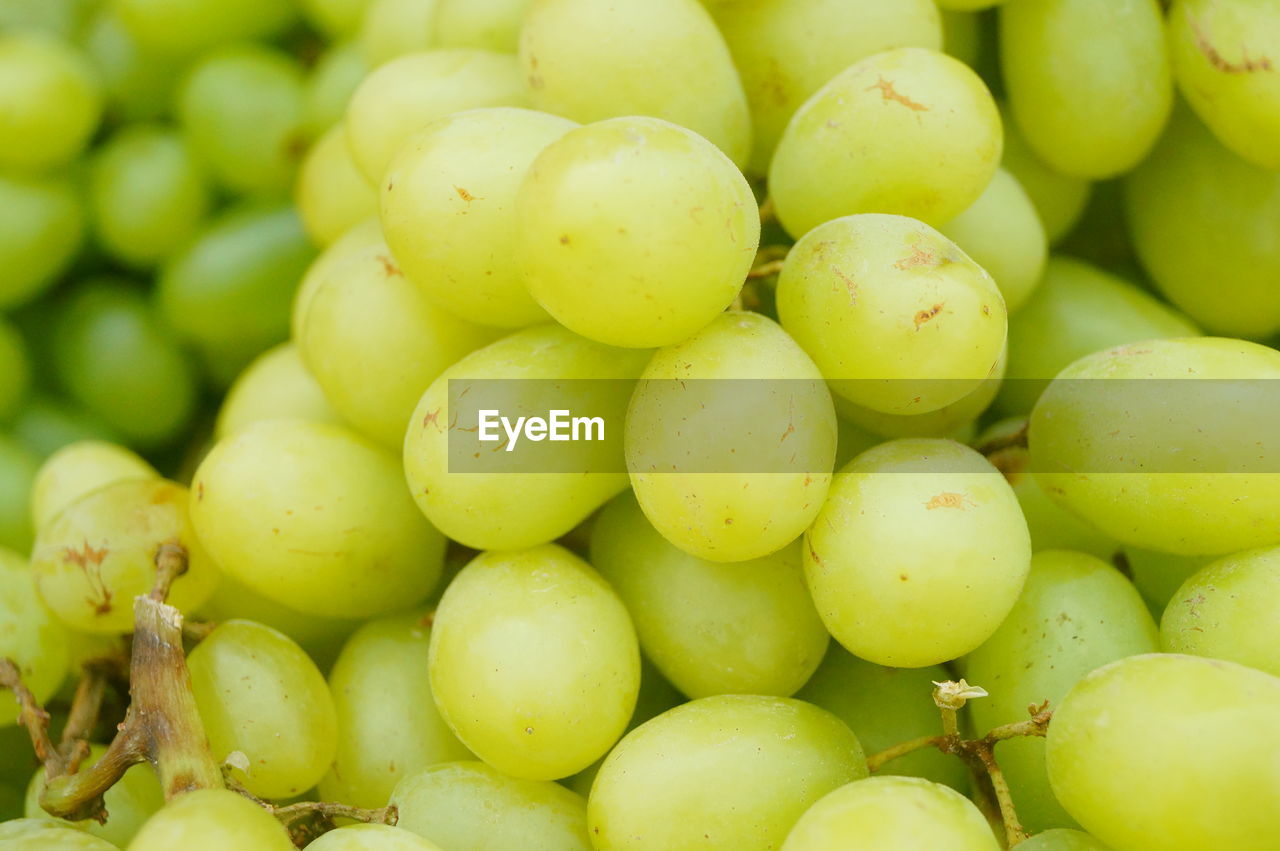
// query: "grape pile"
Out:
[919,481]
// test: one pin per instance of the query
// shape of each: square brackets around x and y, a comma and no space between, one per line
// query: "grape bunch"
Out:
[639,425]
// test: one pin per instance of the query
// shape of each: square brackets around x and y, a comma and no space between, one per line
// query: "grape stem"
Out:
[765,269]
[306,820]
[767,211]
[1016,440]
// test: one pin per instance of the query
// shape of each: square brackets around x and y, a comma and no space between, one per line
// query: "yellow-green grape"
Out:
[374,342]
[1120,763]
[687,439]
[94,557]
[511,509]
[1180,469]
[373,837]
[363,235]
[42,225]
[896,316]
[732,772]
[1059,198]
[457,182]
[1062,839]
[275,386]
[50,101]
[212,820]
[336,18]
[394,28]
[514,676]
[331,194]
[1158,576]
[634,231]
[1088,81]
[1075,614]
[53,836]
[1224,58]
[406,94]
[663,58]
[15,369]
[189,27]
[130,802]
[138,83]
[1227,611]
[488,24]
[1204,224]
[18,466]
[892,813]
[388,724]
[469,806]
[32,638]
[259,694]
[79,468]
[329,86]
[742,628]
[786,49]
[909,131]
[918,554]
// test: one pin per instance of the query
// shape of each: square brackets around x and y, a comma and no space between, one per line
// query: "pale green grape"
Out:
[488,24]
[908,131]
[1075,614]
[46,424]
[358,237]
[742,628]
[663,58]
[15,369]
[130,802]
[373,837]
[1204,224]
[686,431]
[511,669]
[275,386]
[374,342]
[50,102]
[457,181]
[80,468]
[18,466]
[889,814]
[468,806]
[1120,761]
[147,195]
[1059,198]
[1153,465]
[336,18]
[138,83]
[31,637]
[395,28]
[1088,80]
[41,228]
[316,518]
[1062,839]
[212,820]
[508,507]
[1223,57]
[189,27]
[54,837]
[1158,576]
[887,706]
[388,724]
[634,231]
[406,94]
[329,86]
[732,772]
[331,194]
[892,559]
[897,317]
[786,49]
[1227,611]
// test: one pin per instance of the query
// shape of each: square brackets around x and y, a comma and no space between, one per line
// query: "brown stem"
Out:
[86,705]
[764,270]
[197,631]
[767,211]
[307,820]
[1015,440]
[30,713]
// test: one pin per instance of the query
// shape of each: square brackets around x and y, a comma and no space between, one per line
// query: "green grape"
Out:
[662,58]
[31,637]
[137,82]
[1120,763]
[212,820]
[635,232]
[41,229]
[336,18]
[1176,470]
[15,369]
[1227,611]
[18,466]
[50,102]
[487,24]
[372,837]
[316,518]
[1062,839]
[733,772]
[742,628]
[129,803]
[1059,198]
[374,342]
[329,86]
[457,181]
[405,95]
[910,543]
[45,425]
[535,369]
[896,316]
[190,27]
[1222,56]
[1158,576]
[78,469]
[365,234]
[55,837]
[260,694]
[1075,614]
[117,360]
[468,806]
[908,131]
[241,110]
[1088,81]
[394,28]
[741,368]
[786,49]
[147,196]
[98,553]
[887,706]
[331,194]
[230,291]
[510,670]
[17,828]
[1204,224]
[275,386]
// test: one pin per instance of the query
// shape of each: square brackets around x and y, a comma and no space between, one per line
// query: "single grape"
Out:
[137,81]
[372,837]
[31,637]
[133,799]
[331,194]
[329,86]
[1059,198]
[15,369]
[488,24]
[366,233]
[390,29]
[50,102]
[212,820]
[275,386]
[42,226]
[190,27]
[80,468]
[54,837]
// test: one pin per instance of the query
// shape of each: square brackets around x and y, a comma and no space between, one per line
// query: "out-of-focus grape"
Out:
[50,101]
